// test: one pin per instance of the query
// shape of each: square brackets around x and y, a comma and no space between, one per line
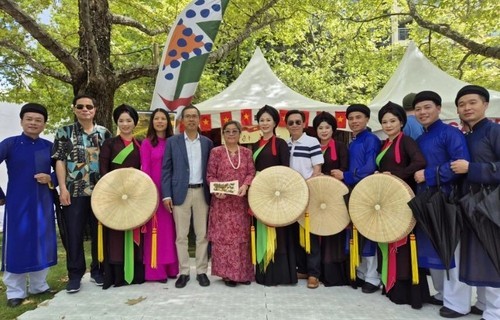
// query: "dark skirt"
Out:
[114,273]
[334,260]
[403,291]
[283,269]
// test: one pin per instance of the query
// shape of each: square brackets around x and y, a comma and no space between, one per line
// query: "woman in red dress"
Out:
[229,222]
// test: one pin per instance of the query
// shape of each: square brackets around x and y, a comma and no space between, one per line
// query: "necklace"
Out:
[231,162]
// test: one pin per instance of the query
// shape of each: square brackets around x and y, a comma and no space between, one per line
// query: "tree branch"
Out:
[460,65]
[87,36]
[129,22]
[31,26]
[444,30]
[35,64]
[388,15]
[124,76]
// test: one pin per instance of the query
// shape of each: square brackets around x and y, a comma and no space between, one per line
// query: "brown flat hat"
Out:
[378,207]
[278,196]
[327,209]
[124,199]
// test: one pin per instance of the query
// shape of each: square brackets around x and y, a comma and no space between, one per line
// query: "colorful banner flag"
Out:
[341,119]
[246,117]
[225,117]
[188,45]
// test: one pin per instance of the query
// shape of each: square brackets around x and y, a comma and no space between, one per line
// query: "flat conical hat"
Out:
[327,209]
[379,209]
[124,199]
[278,196]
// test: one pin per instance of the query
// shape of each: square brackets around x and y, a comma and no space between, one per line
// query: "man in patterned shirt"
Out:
[76,151]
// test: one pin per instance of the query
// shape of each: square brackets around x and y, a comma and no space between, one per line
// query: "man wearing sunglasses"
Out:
[76,151]
[305,158]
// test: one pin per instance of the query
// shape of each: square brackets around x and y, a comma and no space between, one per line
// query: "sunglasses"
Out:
[296,122]
[87,106]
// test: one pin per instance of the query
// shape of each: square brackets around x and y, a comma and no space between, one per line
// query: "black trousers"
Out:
[76,217]
[309,264]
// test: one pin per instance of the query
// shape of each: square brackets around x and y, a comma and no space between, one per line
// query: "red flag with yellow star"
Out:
[282,118]
[246,117]
[341,119]
[225,117]
[206,122]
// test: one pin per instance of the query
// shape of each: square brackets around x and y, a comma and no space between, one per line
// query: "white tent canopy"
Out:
[416,73]
[257,86]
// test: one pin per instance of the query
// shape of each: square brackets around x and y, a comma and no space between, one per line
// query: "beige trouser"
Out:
[195,200]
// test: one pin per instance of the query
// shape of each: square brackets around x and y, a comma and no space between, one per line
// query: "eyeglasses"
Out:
[231,132]
[87,106]
[296,122]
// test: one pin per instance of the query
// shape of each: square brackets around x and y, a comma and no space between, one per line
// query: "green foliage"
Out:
[336,51]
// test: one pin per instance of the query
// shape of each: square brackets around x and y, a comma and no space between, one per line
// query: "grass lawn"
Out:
[56,278]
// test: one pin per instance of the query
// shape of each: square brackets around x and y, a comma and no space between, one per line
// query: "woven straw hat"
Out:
[327,209]
[278,196]
[378,208]
[124,199]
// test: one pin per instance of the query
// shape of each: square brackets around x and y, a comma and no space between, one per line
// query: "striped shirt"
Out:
[305,153]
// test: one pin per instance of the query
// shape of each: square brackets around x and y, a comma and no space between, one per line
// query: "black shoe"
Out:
[357,283]
[433,300]
[369,288]
[475,310]
[49,290]
[246,283]
[230,283]
[203,280]
[448,313]
[98,279]
[14,302]
[182,281]
[73,286]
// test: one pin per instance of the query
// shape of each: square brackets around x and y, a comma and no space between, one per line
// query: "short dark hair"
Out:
[191,106]
[295,111]
[84,95]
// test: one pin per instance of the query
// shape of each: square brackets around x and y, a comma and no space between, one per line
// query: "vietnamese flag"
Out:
[282,118]
[225,117]
[206,122]
[341,119]
[246,117]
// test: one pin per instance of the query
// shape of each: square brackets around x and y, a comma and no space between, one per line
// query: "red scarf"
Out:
[333,150]
[263,142]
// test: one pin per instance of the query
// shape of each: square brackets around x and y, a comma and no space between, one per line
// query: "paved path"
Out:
[164,301]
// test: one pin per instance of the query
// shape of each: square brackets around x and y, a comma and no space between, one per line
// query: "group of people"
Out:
[420,149]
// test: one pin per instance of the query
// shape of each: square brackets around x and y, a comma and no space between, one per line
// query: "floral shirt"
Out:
[80,151]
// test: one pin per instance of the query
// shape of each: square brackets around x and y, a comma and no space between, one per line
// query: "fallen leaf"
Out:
[131,302]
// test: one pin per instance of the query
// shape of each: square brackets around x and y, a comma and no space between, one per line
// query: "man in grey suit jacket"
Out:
[185,192]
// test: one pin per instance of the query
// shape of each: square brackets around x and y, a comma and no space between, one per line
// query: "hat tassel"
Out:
[356,245]
[352,267]
[154,248]
[307,231]
[254,251]
[414,260]
[100,244]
